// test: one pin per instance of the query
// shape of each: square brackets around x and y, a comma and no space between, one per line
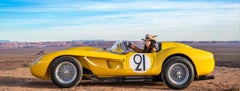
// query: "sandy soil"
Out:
[20,79]
[15,74]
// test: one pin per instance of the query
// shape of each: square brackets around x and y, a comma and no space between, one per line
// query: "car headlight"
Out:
[38,59]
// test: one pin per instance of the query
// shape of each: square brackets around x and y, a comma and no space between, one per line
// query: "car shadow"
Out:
[38,83]
[140,84]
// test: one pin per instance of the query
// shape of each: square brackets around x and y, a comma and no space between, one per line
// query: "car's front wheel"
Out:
[66,71]
[177,72]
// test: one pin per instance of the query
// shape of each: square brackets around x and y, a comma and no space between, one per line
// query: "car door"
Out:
[139,63]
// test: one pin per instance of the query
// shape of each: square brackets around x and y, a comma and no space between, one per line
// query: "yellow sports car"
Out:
[176,64]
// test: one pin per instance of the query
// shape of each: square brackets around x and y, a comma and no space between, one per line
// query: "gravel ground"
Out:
[20,79]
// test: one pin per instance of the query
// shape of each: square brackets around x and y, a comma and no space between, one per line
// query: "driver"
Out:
[149,47]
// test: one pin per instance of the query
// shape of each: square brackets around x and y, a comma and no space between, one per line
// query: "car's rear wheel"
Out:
[177,72]
[66,71]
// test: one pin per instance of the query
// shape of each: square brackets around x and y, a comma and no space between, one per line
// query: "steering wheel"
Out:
[125,46]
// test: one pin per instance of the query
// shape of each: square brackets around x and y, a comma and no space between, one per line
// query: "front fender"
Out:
[40,68]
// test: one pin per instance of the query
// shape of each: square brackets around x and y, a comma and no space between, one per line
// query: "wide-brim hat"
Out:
[150,37]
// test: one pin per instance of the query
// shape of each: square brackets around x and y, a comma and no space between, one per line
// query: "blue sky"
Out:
[171,20]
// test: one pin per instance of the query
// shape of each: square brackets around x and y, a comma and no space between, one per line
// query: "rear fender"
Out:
[202,61]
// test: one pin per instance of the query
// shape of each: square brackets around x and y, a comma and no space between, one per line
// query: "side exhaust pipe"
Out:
[205,77]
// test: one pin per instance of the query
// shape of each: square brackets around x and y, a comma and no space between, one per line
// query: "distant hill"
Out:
[4,41]
[96,43]
[55,44]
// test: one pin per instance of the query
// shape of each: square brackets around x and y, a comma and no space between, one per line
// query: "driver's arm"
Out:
[136,49]
[154,49]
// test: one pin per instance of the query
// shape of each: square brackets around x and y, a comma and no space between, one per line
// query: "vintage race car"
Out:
[176,64]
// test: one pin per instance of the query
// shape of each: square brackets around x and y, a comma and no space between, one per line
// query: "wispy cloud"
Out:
[170,19]
[56,6]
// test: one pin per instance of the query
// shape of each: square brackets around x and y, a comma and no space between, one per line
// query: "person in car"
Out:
[149,47]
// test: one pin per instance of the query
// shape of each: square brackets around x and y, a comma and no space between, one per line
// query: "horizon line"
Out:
[7,41]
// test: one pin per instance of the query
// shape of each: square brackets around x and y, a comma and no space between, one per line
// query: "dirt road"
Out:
[20,79]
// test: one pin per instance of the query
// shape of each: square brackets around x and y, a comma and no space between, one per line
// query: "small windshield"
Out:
[120,47]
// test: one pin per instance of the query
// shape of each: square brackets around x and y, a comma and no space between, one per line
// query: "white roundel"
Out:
[139,63]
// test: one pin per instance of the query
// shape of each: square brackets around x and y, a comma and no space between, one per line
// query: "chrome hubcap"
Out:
[66,72]
[178,73]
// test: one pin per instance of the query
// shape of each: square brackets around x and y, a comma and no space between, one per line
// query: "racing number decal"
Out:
[139,60]
[139,63]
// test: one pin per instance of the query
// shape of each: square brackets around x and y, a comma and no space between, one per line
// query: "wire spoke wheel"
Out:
[178,72]
[66,72]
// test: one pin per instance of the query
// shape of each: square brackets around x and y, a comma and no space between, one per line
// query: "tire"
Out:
[66,72]
[177,73]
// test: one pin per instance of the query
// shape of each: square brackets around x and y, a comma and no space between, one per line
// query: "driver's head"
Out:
[147,43]
[150,39]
